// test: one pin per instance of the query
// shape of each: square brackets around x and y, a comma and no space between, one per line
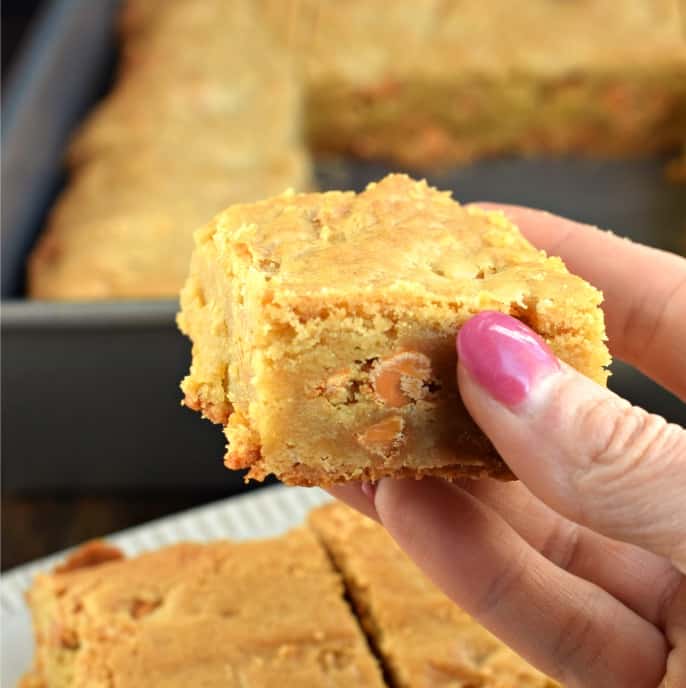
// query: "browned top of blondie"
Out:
[423,637]
[399,241]
[267,613]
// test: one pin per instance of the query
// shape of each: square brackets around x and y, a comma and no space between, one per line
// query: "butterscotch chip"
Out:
[338,388]
[337,360]
[385,438]
[66,638]
[140,608]
[91,554]
[402,378]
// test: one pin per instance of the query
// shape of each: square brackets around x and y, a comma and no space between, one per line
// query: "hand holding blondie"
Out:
[580,566]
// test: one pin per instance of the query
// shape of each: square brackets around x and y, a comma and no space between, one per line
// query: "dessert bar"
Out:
[263,614]
[323,329]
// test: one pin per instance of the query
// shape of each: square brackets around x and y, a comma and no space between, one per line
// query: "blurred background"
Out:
[94,439]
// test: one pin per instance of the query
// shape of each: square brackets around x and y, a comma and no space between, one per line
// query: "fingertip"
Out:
[355,495]
[405,505]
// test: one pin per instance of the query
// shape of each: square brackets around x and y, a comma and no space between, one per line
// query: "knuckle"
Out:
[621,438]
[501,585]
[630,456]
[574,644]
[642,326]
[581,647]
[670,584]
[562,545]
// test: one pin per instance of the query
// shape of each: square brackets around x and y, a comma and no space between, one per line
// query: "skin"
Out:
[581,565]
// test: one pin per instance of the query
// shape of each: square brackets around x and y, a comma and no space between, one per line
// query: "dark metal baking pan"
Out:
[90,390]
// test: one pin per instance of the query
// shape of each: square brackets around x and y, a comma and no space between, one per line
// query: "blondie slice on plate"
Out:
[323,329]
[423,639]
[199,615]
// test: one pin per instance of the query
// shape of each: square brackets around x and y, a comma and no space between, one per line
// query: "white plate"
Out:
[265,513]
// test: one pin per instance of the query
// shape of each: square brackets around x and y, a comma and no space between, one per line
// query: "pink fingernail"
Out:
[369,491]
[504,356]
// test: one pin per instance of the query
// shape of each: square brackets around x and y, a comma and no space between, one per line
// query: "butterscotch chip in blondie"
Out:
[323,329]
[422,637]
[246,615]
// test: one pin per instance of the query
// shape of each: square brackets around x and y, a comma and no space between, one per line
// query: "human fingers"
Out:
[644,289]
[356,495]
[565,625]
[578,447]
[643,581]
[640,579]
[676,637]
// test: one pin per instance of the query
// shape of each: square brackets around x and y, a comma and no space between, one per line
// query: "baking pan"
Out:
[90,390]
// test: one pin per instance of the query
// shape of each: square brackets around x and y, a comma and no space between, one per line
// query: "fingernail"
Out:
[369,491]
[504,356]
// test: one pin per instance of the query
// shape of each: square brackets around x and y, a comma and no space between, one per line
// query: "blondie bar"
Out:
[423,639]
[196,121]
[323,329]
[425,83]
[199,615]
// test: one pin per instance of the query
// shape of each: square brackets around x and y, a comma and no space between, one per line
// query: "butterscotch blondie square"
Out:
[244,615]
[425,83]
[125,229]
[205,112]
[422,637]
[323,329]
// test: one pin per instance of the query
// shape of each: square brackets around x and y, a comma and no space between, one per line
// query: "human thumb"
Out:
[587,453]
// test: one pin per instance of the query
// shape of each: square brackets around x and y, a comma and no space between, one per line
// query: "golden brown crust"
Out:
[312,477]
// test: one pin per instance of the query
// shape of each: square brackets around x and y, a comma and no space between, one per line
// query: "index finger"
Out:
[644,288]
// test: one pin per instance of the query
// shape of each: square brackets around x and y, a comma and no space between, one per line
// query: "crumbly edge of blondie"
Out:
[55,669]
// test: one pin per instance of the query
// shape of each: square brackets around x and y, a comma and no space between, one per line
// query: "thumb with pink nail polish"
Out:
[576,445]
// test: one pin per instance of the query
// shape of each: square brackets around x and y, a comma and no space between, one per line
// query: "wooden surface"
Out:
[34,527]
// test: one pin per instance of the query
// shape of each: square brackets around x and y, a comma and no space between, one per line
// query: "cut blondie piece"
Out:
[422,637]
[323,329]
[205,112]
[426,83]
[125,230]
[199,615]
